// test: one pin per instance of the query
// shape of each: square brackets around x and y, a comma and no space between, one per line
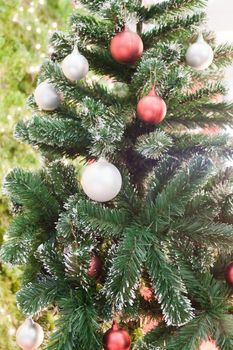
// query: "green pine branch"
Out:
[211,294]
[20,242]
[159,177]
[207,91]
[123,277]
[202,142]
[65,227]
[218,235]
[169,288]
[91,27]
[77,325]
[98,218]
[172,200]
[58,133]
[223,55]
[29,190]
[202,113]
[169,8]
[37,296]
[51,259]
[154,145]
[61,176]
[172,28]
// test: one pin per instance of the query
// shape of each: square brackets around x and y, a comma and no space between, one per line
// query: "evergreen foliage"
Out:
[170,228]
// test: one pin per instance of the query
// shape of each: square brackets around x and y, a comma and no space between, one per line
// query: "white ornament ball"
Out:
[200,55]
[30,335]
[75,66]
[101,181]
[46,97]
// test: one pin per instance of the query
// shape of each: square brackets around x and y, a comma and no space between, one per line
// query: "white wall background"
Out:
[220,14]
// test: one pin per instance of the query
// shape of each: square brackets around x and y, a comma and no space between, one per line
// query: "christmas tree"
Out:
[126,232]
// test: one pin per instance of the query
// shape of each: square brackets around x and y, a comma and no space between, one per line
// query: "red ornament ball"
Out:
[229,274]
[208,345]
[91,161]
[95,267]
[211,130]
[126,47]
[152,108]
[116,338]
[147,293]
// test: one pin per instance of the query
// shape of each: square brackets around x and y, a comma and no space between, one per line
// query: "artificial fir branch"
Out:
[110,222]
[164,278]
[171,28]
[154,145]
[91,27]
[126,269]
[170,8]
[30,191]
[63,179]
[78,322]
[21,240]
[35,297]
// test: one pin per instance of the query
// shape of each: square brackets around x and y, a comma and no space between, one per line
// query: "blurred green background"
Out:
[25,27]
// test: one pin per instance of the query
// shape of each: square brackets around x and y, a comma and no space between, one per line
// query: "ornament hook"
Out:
[75,49]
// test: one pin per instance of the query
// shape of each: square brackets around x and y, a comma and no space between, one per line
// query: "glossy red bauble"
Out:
[91,161]
[152,108]
[147,293]
[95,267]
[211,130]
[229,274]
[126,47]
[116,338]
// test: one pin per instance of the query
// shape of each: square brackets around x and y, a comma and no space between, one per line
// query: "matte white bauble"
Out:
[46,97]
[75,66]
[101,181]
[30,335]
[200,55]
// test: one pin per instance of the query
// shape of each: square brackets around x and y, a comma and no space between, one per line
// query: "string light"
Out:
[11,331]
[29,28]
[38,30]
[31,10]
[38,46]
[15,18]
[34,69]
[54,25]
